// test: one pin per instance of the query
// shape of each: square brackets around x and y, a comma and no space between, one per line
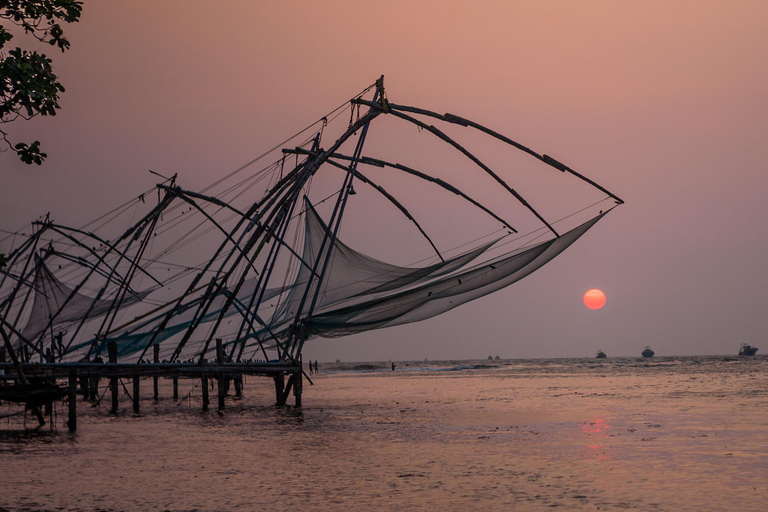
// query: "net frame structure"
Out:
[277,274]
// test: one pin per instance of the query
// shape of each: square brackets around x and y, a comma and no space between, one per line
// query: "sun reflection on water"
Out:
[596,429]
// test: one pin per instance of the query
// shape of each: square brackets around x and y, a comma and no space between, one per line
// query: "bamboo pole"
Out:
[392,200]
[431,179]
[276,217]
[204,384]
[450,118]
[93,392]
[112,352]
[279,387]
[187,196]
[14,255]
[136,393]
[442,136]
[156,378]
[217,281]
[221,378]
[72,421]
[156,210]
[297,387]
[296,341]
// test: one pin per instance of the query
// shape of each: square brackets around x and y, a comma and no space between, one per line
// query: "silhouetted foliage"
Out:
[28,86]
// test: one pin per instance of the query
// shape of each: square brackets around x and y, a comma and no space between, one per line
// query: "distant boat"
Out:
[647,352]
[747,350]
[600,354]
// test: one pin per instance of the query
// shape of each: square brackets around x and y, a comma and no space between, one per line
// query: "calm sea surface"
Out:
[688,433]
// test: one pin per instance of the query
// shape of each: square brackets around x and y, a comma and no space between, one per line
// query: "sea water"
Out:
[687,433]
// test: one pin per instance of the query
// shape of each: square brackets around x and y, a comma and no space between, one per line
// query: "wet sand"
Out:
[579,434]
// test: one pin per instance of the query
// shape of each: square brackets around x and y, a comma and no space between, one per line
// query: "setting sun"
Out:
[594,299]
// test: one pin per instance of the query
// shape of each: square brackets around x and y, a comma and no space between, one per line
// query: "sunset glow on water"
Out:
[673,434]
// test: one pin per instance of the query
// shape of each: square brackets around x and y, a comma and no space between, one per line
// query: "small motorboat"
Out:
[647,352]
[600,355]
[747,350]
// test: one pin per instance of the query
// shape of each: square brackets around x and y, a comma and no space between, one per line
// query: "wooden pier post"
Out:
[238,385]
[222,393]
[72,422]
[94,388]
[204,383]
[136,393]
[176,388]
[220,384]
[155,379]
[112,354]
[85,387]
[279,388]
[297,387]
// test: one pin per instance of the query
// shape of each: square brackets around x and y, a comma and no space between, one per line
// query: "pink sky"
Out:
[663,103]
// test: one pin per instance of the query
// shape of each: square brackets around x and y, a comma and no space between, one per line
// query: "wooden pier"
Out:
[71,375]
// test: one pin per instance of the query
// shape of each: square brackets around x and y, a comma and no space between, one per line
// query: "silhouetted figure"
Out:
[59,344]
[393,366]
[315,366]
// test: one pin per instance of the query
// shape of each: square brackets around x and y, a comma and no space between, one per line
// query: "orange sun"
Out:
[594,298]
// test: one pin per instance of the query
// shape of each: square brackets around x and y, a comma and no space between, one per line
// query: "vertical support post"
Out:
[219,351]
[297,386]
[176,388]
[238,385]
[94,385]
[136,393]
[222,391]
[279,388]
[112,352]
[204,383]
[48,410]
[72,422]
[220,384]
[155,378]
[85,386]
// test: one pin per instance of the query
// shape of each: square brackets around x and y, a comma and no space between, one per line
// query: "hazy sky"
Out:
[663,103]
